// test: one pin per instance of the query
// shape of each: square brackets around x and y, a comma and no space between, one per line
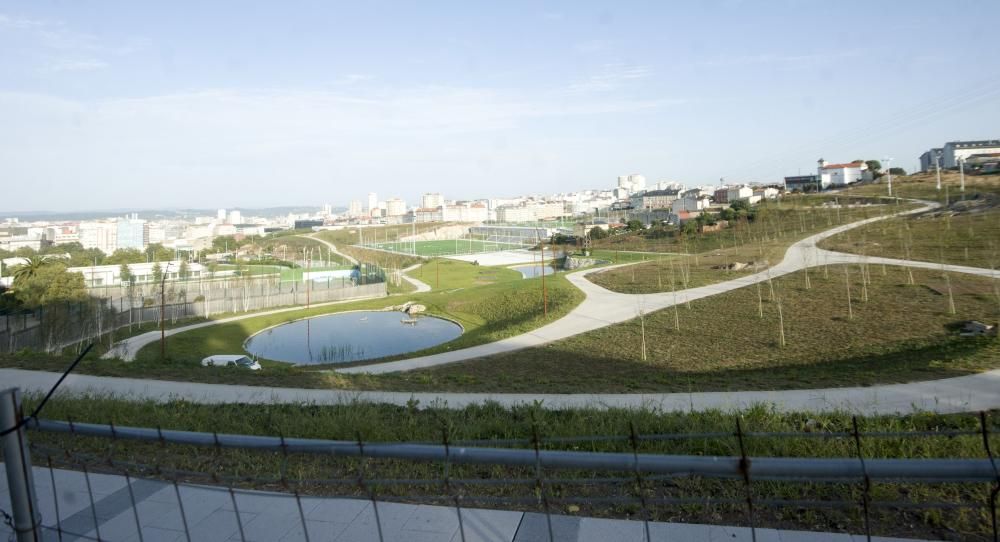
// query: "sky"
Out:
[117,105]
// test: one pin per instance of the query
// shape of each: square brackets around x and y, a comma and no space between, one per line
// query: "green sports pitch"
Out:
[455,247]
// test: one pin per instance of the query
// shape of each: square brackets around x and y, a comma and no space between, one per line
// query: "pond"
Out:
[351,336]
[534,270]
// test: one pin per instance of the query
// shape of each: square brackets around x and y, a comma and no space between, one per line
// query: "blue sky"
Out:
[228,104]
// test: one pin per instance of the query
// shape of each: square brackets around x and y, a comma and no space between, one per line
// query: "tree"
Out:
[29,268]
[727,214]
[125,256]
[597,233]
[183,272]
[157,273]
[740,205]
[158,253]
[634,225]
[874,166]
[51,284]
[125,274]
[897,171]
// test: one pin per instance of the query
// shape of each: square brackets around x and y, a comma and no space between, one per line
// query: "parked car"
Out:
[231,360]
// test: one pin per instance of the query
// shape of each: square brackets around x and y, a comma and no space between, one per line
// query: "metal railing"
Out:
[535,473]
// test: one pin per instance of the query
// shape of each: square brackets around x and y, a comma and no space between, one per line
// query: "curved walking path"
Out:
[969,393]
[332,247]
[602,307]
[421,286]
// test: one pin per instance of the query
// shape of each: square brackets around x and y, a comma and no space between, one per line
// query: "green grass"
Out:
[900,334]
[488,313]
[489,422]
[445,247]
[444,274]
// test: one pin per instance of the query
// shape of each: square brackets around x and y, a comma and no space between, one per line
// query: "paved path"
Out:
[602,307]
[205,513]
[332,247]
[419,285]
[969,393]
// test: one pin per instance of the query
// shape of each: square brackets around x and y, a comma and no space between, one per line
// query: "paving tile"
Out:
[435,519]
[391,518]
[219,525]
[336,510]
[155,534]
[271,526]
[535,528]
[481,525]
[319,531]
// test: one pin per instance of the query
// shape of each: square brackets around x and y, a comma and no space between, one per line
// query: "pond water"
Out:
[534,270]
[351,336]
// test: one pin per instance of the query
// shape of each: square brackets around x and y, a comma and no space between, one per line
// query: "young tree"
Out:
[597,233]
[874,166]
[183,272]
[125,274]
[157,273]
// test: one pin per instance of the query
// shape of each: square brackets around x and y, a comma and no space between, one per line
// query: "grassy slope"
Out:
[763,243]
[898,335]
[963,239]
[488,313]
[489,422]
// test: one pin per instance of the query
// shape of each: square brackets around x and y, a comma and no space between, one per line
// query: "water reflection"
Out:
[352,336]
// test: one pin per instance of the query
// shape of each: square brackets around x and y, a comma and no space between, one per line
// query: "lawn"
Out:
[493,425]
[445,247]
[965,232]
[745,253]
[445,274]
[490,303]
[901,333]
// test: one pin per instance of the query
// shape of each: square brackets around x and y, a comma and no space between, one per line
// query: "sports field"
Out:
[445,248]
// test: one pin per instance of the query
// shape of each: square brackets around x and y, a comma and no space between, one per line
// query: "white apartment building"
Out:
[954,151]
[431,200]
[532,212]
[632,183]
[354,209]
[395,207]
[690,204]
[372,202]
[465,212]
[235,217]
[736,193]
[840,174]
[100,235]
[61,235]
[221,215]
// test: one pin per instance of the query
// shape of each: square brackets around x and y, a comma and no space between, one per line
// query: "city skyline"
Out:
[146,107]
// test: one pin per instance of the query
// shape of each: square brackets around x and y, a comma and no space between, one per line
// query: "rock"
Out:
[415,309]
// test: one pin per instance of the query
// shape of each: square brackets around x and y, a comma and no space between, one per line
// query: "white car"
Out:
[231,360]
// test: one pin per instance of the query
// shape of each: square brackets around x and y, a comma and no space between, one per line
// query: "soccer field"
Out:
[446,248]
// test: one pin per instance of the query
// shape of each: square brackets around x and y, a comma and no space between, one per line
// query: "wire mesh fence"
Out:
[652,479]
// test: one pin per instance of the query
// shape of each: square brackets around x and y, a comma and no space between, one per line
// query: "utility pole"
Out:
[961,176]
[937,163]
[545,297]
[163,314]
[309,283]
[888,171]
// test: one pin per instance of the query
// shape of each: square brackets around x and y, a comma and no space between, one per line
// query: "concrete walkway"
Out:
[421,287]
[968,393]
[332,247]
[602,307]
[208,513]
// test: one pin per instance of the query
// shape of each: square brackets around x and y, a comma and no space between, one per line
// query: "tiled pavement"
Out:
[165,512]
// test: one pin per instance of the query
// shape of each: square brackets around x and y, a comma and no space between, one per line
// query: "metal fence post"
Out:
[17,460]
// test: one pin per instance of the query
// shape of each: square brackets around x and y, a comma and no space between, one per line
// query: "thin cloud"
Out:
[76,65]
[611,77]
